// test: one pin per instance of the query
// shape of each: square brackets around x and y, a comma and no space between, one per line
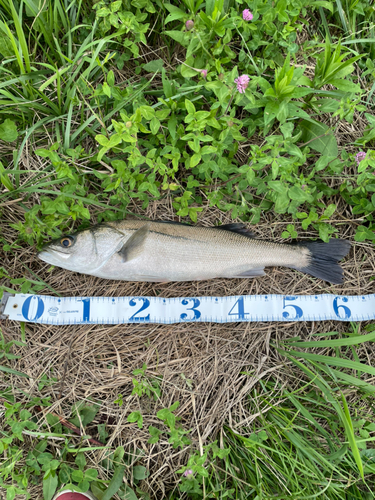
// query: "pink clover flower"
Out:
[242,83]
[360,156]
[247,15]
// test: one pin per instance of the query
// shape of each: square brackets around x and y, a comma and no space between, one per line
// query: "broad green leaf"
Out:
[319,137]
[107,89]
[154,125]
[129,493]
[346,85]
[113,141]
[49,485]
[282,203]
[323,162]
[195,159]
[324,232]
[364,233]
[147,112]
[140,472]
[88,413]
[297,193]
[115,6]
[11,493]
[179,36]
[330,210]
[283,112]
[162,114]
[8,131]
[327,105]
[91,474]
[270,111]
[102,140]
[278,186]
[173,16]
[201,470]
[115,483]
[154,66]
[77,476]
[324,4]
[44,153]
[190,108]
[98,489]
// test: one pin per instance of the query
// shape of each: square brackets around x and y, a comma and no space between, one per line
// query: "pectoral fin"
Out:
[134,246]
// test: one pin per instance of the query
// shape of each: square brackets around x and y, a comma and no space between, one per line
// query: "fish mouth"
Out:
[50,255]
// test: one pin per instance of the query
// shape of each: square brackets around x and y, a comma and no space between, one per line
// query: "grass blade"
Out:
[355,340]
[351,437]
[13,372]
[329,360]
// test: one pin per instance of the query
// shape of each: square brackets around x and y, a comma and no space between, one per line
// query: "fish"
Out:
[160,251]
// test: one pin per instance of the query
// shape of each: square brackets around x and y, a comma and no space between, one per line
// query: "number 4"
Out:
[240,308]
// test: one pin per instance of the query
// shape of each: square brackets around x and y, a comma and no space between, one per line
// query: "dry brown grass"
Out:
[223,361]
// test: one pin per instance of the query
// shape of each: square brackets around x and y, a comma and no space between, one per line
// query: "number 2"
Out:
[145,305]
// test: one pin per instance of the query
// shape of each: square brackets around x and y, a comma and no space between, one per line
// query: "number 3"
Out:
[197,314]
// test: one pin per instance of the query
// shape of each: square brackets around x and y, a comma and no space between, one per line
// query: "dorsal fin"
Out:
[174,222]
[237,228]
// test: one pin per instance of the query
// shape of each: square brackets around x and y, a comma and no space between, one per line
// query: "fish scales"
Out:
[158,251]
[194,253]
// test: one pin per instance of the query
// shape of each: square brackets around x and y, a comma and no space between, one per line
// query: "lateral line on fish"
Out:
[153,231]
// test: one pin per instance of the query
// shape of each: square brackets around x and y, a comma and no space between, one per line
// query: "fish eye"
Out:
[67,241]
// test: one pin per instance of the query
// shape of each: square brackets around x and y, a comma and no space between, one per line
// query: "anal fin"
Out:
[251,273]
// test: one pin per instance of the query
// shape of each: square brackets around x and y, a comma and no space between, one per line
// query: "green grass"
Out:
[103,105]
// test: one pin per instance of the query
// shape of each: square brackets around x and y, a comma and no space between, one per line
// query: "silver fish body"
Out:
[134,250]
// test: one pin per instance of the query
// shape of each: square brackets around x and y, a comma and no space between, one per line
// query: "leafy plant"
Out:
[142,385]
[178,436]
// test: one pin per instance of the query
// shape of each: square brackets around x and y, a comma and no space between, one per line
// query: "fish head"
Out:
[84,251]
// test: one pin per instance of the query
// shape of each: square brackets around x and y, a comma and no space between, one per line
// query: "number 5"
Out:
[298,310]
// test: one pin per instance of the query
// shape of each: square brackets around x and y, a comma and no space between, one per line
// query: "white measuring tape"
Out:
[118,310]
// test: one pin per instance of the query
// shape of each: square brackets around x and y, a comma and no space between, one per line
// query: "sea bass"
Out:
[135,250]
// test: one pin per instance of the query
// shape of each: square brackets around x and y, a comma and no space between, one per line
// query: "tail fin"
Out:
[324,259]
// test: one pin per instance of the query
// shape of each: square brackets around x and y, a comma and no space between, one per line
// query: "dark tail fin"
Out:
[324,259]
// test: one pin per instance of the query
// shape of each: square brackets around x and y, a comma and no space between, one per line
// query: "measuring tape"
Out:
[118,310]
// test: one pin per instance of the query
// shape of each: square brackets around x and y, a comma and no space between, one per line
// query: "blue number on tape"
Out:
[86,309]
[26,308]
[345,309]
[298,310]
[241,309]
[145,305]
[197,314]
